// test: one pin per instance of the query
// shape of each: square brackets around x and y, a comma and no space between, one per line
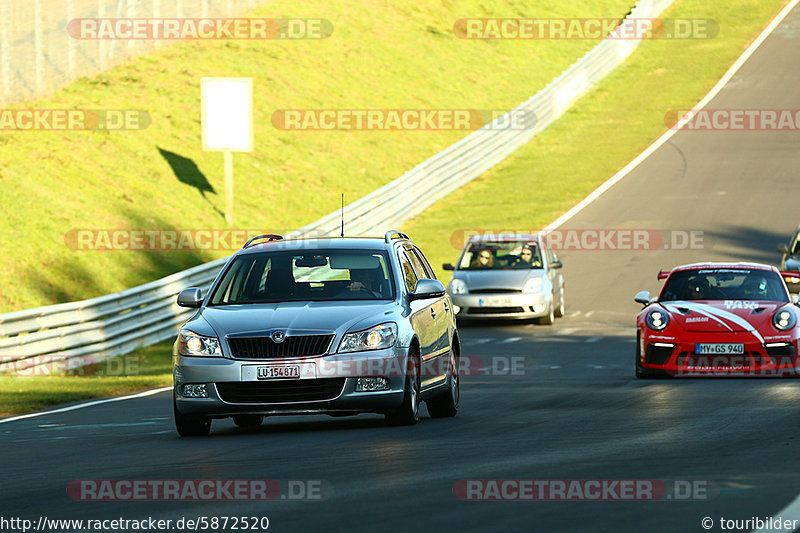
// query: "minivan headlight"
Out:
[374,338]
[532,285]
[190,343]
[457,286]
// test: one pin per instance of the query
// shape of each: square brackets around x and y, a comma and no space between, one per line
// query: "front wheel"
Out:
[561,310]
[408,412]
[190,425]
[445,405]
[550,317]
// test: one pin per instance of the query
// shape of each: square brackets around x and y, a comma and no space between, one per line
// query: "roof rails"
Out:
[268,236]
[391,233]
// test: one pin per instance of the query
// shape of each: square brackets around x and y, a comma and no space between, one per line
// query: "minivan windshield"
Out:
[501,255]
[318,275]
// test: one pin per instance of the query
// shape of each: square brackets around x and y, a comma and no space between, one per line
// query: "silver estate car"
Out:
[336,326]
[507,276]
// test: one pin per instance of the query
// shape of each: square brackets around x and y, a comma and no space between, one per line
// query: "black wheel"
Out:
[550,317]
[408,413]
[561,310]
[445,404]
[248,421]
[190,425]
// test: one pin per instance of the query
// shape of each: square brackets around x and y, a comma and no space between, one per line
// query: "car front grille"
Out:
[281,391]
[493,291]
[292,346]
[745,359]
[493,310]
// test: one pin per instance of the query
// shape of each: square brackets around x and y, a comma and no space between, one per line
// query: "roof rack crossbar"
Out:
[391,233]
[268,236]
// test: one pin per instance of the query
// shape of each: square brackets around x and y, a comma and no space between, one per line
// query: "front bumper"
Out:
[678,357]
[326,384]
[502,305]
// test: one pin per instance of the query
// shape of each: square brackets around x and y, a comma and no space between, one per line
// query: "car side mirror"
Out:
[191,297]
[642,297]
[428,288]
[782,248]
[556,264]
[448,266]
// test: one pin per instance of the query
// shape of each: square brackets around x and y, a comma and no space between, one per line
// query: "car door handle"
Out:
[433,314]
[446,308]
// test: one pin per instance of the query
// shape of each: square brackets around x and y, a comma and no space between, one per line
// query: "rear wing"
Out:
[664,274]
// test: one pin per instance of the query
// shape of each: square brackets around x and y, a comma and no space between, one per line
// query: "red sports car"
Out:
[718,318]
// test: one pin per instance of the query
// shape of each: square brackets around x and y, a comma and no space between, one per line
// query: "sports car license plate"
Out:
[278,372]
[718,348]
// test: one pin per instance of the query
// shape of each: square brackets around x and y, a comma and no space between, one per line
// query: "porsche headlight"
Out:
[657,319]
[532,285]
[783,320]
[190,343]
[457,286]
[375,338]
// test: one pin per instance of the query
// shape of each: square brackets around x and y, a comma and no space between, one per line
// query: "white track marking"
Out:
[594,195]
[510,340]
[790,512]
[87,404]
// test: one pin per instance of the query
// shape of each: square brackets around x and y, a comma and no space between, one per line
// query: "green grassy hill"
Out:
[379,56]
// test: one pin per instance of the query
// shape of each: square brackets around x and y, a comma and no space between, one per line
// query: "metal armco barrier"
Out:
[92,330]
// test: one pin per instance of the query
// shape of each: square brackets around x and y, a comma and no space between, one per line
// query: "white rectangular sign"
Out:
[227,114]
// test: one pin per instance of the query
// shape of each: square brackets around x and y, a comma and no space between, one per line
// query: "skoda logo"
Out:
[278,337]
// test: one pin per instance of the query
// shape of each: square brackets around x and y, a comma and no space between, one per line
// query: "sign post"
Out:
[227,122]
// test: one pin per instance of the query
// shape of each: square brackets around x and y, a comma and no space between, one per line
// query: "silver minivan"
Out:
[507,276]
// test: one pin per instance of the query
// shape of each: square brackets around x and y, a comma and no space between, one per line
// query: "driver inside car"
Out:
[363,280]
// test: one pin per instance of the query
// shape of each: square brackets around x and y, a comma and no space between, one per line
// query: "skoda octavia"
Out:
[337,326]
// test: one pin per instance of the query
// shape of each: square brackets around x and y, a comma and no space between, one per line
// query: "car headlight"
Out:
[190,343]
[374,338]
[783,320]
[532,285]
[657,319]
[457,286]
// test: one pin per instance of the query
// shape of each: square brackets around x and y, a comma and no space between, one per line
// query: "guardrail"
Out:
[89,331]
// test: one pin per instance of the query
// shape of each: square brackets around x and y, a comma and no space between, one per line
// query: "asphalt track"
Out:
[574,411]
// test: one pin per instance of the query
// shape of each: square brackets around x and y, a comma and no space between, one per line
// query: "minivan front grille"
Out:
[292,346]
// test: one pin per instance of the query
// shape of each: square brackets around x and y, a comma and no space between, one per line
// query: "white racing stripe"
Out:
[718,314]
[87,404]
[790,512]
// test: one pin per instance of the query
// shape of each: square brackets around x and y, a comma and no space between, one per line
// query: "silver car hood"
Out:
[297,317]
[497,279]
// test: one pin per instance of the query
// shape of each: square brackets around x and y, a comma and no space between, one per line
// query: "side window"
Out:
[408,271]
[421,264]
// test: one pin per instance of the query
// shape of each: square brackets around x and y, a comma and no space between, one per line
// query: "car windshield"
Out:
[501,255]
[724,284]
[318,275]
